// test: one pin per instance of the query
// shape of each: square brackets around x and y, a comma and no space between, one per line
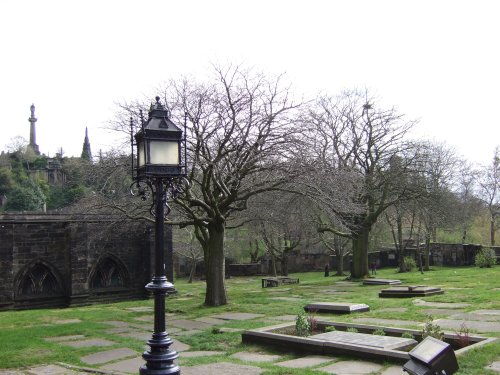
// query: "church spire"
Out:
[32,121]
[86,153]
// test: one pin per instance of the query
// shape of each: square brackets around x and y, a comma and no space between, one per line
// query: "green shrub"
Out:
[352,330]
[485,258]
[432,330]
[302,327]
[409,263]
[330,329]
[379,332]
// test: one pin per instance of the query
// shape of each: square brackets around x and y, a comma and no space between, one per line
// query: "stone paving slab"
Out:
[444,305]
[88,342]
[237,316]
[351,368]
[201,353]
[394,309]
[222,368]
[487,312]
[387,322]
[64,338]
[108,356]
[128,366]
[433,312]
[179,346]
[255,357]
[474,316]
[11,372]
[211,321]
[309,361]
[394,370]
[482,326]
[114,331]
[49,370]
[495,366]
[142,336]
[189,324]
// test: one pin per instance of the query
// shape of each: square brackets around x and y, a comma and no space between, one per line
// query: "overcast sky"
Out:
[436,61]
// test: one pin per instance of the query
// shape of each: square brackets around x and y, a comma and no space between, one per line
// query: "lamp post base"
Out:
[160,358]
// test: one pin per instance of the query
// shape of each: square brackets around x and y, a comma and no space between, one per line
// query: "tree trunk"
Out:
[273,265]
[284,265]
[360,253]
[427,251]
[400,245]
[215,266]
[192,271]
[492,231]
[340,265]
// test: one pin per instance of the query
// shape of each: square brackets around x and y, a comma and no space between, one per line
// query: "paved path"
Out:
[110,359]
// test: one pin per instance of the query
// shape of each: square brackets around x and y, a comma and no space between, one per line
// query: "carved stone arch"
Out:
[38,279]
[109,273]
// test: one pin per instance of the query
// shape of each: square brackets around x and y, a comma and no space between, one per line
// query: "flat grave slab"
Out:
[269,282]
[237,316]
[381,282]
[365,339]
[283,318]
[410,291]
[138,335]
[351,368]
[221,368]
[191,332]
[394,370]
[479,326]
[108,356]
[309,361]
[336,307]
[487,312]
[140,309]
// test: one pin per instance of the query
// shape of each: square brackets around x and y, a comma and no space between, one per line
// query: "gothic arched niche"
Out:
[38,280]
[108,273]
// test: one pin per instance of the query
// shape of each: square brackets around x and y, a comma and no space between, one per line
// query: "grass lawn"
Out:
[23,333]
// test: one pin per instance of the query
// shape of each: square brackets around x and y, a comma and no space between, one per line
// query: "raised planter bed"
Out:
[281,336]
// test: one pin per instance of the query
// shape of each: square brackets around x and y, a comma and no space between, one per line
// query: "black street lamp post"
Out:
[159,168]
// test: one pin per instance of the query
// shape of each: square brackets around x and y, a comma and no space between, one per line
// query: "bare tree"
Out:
[365,140]
[189,249]
[239,135]
[489,184]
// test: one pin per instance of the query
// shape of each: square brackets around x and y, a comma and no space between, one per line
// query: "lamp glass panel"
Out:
[164,152]
[141,155]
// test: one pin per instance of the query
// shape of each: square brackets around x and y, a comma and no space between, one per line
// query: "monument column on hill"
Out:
[32,121]
[86,152]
